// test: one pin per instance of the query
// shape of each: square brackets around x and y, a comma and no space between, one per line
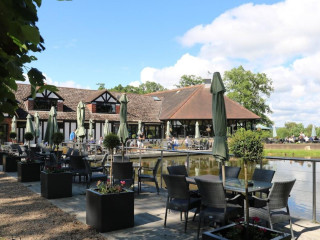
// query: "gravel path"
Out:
[26,215]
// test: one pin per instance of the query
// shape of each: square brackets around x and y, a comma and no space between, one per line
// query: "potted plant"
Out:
[28,170]
[55,181]
[28,136]
[57,139]
[109,208]
[13,136]
[110,142]
[134,136]
[237,231]
[9,162]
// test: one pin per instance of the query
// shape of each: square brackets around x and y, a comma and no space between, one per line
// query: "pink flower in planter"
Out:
[122,183]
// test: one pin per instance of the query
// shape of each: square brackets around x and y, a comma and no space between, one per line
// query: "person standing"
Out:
[187,142]
[73,136]
[140,140]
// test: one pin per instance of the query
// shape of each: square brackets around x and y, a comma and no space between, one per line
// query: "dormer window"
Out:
[44,101]
[105,103]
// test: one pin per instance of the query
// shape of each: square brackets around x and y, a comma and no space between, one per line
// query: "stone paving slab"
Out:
[149,216]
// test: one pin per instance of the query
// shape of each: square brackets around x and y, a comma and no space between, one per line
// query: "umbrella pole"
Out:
[223,174]
[122,152]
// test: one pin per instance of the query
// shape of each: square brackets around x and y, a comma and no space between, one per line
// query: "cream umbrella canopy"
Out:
[81,131]
[106,129]
[14,124]
[313,132]
[90,131]
[168,130]
[36,126]
[197,131]
[274,134]
[139,128]
[29,126]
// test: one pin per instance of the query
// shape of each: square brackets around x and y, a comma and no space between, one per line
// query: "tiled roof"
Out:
[140,107]
[195,102]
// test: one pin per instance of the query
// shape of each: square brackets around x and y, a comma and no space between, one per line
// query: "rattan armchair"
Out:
[275,209]
[142,177]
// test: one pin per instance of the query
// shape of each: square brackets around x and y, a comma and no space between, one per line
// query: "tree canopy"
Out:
[189,80]
[251,90]
[19,37]
[143,88]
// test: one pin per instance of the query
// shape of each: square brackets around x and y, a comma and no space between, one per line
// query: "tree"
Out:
[101,86]
[19,36]
[189,80]
[294,128]
[150,87]
[250,90]
[143,88]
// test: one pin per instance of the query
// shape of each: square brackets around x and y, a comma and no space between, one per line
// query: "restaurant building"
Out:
[182,107]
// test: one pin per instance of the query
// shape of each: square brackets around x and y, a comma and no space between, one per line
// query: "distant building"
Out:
[182,107]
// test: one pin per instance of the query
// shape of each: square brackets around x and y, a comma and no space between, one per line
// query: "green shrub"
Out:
[247,145]
[111,141]
[13,135]
[57,138]
[133,136]
[149,136]
[28,136]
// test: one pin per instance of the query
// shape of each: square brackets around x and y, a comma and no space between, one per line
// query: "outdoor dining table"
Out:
[234,184]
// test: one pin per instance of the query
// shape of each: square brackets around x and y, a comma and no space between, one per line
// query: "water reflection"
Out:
[300,202]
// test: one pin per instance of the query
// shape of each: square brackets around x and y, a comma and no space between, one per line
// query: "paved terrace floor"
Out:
[149,216]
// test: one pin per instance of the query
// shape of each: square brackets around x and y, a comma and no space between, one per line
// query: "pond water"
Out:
[300,201]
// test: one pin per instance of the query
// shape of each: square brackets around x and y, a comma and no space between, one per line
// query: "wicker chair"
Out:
[93,176]
[263,175]
[147,177]
[272,208]
[214,203]
[101,168]
[78,168]
[230,172]
[179,198]
[178,170]
[123,171]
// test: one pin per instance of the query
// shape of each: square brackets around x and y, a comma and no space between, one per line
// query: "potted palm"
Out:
[110,207]
[55,181]
[247,146]
[28,170]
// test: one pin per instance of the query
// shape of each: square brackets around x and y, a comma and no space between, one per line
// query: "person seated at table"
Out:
[92,141]
[175,143]
[141,138]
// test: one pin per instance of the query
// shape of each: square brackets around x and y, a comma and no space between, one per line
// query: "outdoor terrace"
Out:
[149,216]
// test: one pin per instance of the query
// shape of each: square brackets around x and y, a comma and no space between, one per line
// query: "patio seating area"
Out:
[150,214]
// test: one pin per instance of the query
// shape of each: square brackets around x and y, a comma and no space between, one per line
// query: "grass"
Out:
[292,153]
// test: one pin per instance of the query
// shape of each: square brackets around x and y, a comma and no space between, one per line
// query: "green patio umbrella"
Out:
[123,133]
[36,126]
[220,149]
[197,131]
[168,134]
[29,126]
[139,128]
[52,126]
[313,132]
[106,129]
[81,131]
[274,134]
[14,124]
[90,131]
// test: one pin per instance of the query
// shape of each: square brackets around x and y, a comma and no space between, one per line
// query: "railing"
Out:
[188,153]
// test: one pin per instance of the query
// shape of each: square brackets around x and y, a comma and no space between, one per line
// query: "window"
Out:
[105,107]
[44,104]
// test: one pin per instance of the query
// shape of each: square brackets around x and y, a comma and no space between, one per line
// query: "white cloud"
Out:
[135,84]
[280,39]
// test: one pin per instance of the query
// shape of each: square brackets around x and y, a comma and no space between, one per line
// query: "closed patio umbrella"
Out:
[219,119]
[14,124]
[168,130]
[52,126]
[313,132]
[90,131]
[81,131]
[197,131]
[123,133]
[29,126]
[106,129]
[139,128]
[274,134]
[36,127]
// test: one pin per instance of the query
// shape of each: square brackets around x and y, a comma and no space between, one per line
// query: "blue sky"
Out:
[130,42]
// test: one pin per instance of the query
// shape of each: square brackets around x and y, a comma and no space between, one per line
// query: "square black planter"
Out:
[109,212]
[56,185]
[1,157]
[28,172]
[10,163]
[274,235]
